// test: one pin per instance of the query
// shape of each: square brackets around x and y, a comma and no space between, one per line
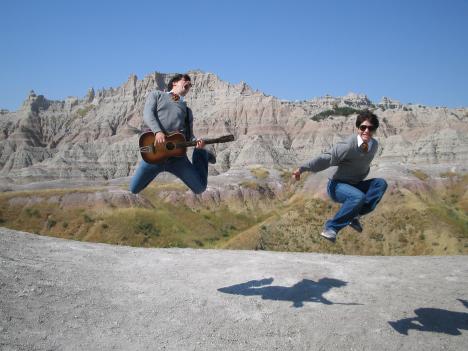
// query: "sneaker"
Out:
[211,155]
[356,225]
[329,234]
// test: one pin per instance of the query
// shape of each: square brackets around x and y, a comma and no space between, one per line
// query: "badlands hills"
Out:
[64,168]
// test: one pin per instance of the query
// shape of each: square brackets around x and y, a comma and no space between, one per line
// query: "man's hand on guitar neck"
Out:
[159,138]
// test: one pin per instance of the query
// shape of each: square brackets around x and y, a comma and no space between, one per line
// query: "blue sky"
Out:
[410,50]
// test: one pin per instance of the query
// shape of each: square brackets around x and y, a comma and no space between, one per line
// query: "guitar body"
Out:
[161,152]
[174,146]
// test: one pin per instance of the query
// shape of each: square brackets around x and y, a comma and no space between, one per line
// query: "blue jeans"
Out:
[194,175]
[357,199]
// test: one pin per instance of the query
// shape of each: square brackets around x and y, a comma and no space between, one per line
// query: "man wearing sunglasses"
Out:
[166,112]
[353,157]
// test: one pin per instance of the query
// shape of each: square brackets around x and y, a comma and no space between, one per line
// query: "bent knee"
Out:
[199,189]
[382,183]
[133,189]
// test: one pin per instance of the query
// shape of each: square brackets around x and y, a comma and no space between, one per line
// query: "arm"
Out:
[150,116]
[150,113]
[331,158]
[317,164]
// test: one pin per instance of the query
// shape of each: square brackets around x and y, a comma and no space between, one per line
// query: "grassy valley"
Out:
[161,225]
[432,220]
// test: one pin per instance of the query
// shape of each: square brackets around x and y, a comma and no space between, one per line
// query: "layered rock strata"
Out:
[96,137]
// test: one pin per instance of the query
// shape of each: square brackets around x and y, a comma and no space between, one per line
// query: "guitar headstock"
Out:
[226,138]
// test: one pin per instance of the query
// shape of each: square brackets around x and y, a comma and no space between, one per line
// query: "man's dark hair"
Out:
[367,116]
[176,78]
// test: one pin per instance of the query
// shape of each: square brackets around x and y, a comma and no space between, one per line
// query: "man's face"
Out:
[366,130]
[181,87]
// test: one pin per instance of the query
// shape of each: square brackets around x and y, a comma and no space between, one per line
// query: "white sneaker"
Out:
[329,234]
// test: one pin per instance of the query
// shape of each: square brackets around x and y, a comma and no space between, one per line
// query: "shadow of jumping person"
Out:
[304,291]
[434,320]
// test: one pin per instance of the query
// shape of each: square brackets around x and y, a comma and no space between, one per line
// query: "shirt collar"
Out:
[181,98]
[360,141]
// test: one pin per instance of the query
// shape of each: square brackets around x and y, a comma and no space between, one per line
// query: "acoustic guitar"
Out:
[174,146]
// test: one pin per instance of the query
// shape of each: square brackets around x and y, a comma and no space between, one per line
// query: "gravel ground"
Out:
[65,295]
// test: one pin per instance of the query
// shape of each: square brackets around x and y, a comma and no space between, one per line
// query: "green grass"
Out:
[168,226]
[84,111]
[165,225]
[405,223]
[433,222]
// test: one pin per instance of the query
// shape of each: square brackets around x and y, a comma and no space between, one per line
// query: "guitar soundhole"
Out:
[170,146]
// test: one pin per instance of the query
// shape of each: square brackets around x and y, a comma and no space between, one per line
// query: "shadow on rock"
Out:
[434,320]
[305,291]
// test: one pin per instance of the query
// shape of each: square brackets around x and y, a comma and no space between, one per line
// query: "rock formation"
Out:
[95,137]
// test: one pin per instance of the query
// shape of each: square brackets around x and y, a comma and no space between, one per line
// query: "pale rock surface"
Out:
[95,137]
[67,295]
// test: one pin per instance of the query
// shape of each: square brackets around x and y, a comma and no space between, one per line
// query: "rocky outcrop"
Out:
[95,137]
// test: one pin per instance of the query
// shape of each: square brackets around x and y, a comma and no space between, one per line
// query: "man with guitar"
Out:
[165,113]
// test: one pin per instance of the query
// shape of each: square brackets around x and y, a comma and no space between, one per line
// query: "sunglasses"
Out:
[363,127]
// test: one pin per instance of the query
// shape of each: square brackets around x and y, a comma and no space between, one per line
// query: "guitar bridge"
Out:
[147,148]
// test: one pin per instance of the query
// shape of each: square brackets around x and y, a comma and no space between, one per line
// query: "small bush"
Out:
[51,223]
[259,173]
[402,239]
[87,218]
[147,229]
[250,185]
[32,212]
[448,174]
[84,111]
[377,236]
[420,174]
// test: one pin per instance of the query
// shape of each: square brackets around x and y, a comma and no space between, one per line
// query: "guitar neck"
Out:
[207,141]
[147,145]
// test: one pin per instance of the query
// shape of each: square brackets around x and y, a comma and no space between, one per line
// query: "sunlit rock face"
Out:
[96,137]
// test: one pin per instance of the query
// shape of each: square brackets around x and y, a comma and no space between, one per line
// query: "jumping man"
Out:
[353,157]
[167,112]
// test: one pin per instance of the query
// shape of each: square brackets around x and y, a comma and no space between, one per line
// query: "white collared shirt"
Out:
[360,141]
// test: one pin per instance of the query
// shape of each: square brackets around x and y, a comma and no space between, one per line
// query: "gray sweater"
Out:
[353,163]
[162,114]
